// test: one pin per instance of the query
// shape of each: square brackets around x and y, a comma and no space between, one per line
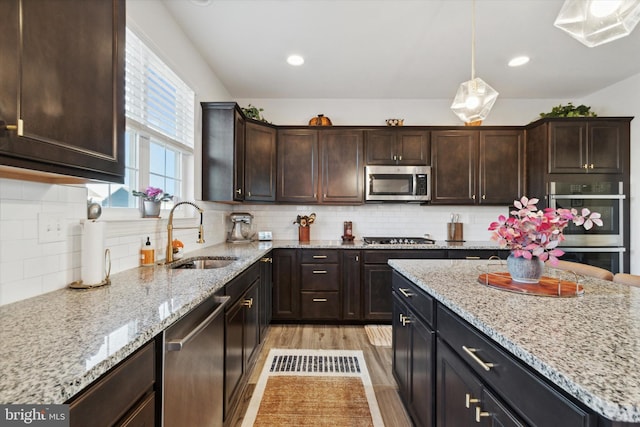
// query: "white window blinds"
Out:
[155,97]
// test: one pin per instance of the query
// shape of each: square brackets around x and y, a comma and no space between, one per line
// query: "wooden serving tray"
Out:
[546,287]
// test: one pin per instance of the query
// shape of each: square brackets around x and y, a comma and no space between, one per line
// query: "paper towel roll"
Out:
[93,242]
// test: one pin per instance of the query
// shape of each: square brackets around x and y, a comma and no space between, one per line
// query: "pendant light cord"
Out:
[473,39]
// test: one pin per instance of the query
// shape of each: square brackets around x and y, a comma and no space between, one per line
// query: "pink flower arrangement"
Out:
[531,232]
[153,194]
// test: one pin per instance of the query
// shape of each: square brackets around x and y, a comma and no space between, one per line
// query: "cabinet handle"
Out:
[473,197]
[468,400]
[239,191]
[585,166]
[319,271]
[400,158]
[315,195]
[406,292]
[249,194]
[357,258]
[480,413]
[248,303]
[472,353]
[405,320]
[13,128]
[266,259]
[472,257]
[395,157]
[319,257]
[591,166]
[178,343]
[484,197]
[319,300]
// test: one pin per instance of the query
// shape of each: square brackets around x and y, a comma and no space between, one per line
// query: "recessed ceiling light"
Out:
[518,61]
[295,60]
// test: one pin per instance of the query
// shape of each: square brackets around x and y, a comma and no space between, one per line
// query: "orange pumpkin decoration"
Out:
[320,120]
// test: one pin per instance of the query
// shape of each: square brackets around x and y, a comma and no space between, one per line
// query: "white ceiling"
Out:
[397,49]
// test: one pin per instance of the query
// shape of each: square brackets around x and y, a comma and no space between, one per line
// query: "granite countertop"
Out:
[56,344]
[588,345]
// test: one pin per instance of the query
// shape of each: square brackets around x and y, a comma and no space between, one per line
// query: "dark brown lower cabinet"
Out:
[123,396]
[242,335]
[286,285]
[462,399]
[414,350]
[351,285]
[377,278]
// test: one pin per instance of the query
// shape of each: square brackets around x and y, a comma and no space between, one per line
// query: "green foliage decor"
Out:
[252,112]
[570,110]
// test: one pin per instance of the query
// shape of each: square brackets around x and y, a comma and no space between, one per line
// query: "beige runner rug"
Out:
[314,388]
[379,335]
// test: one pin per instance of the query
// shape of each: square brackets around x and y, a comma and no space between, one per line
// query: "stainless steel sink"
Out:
[203,262]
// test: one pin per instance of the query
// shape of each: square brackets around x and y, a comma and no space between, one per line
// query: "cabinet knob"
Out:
[395,157]
[484,197]
[473,197]
[480,413]
[591,166]
[585,166]
[400,158]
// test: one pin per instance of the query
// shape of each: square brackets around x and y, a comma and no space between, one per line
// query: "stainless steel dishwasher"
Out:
[193,377]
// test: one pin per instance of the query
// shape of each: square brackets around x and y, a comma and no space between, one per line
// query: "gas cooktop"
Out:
[398,240]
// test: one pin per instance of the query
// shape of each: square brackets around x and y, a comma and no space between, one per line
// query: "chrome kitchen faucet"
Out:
[169,256]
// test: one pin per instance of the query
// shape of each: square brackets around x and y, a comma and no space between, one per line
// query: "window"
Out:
[159,137]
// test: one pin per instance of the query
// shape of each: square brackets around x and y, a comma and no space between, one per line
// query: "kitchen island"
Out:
[586,346]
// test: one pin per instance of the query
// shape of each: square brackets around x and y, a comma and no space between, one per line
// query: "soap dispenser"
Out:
[147,254]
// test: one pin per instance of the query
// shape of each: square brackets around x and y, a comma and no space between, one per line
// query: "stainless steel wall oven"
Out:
[600,246]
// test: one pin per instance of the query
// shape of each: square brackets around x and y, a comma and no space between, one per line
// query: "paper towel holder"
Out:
[79,284]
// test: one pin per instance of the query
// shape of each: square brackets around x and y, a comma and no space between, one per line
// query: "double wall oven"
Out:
[600,246]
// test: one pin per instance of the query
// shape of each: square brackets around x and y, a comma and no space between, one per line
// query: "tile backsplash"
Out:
[30,266]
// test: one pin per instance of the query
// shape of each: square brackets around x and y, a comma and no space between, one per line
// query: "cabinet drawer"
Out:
[382,256]
[320,277]
[108,400]
[143,415]
[519,387]
[421,303]
[240,284]
[320,305]
[319,256]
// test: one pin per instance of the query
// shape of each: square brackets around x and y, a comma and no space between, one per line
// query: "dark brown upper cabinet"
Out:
[62,98]
[320,166]
[260,163]
[238,155]
[397,147]
[587,146]
[477,167]
[297,176]
[223,151]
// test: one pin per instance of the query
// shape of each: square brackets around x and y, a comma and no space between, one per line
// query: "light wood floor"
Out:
[331,337]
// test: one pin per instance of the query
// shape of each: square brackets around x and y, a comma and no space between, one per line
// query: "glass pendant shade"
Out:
[474,100]
[594,22]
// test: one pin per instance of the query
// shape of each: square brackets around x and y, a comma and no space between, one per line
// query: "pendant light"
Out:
[475,97]
[595,22]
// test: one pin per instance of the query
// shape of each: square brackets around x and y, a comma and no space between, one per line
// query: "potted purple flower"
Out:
[152,197]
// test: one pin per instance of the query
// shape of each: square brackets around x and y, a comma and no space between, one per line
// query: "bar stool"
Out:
[583,269]
[627,279]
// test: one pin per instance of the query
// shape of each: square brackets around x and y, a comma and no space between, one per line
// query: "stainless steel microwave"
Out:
[398,183]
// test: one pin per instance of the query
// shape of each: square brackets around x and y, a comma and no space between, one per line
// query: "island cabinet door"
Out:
[462,399]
